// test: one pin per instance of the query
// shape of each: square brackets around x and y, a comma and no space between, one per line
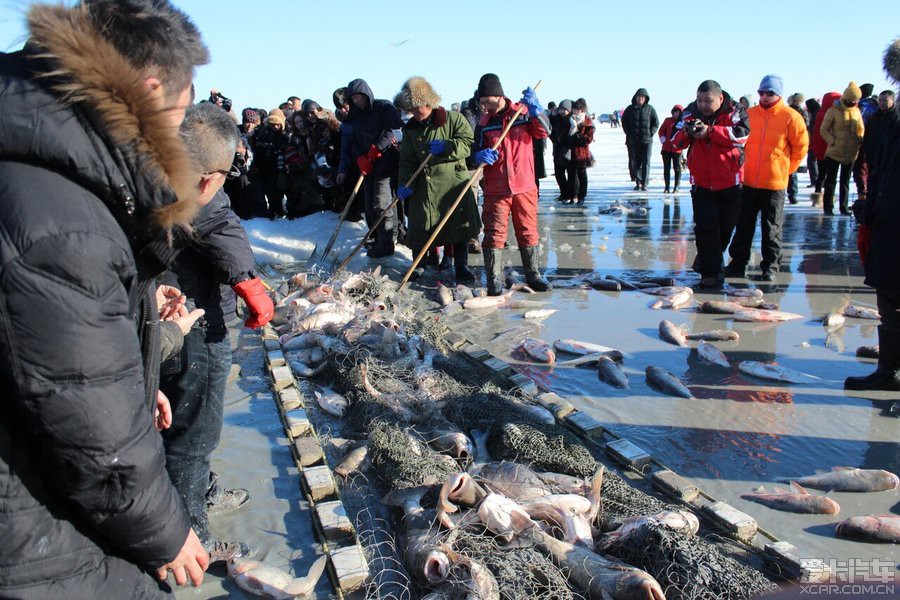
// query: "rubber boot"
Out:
[461,264]
[532,274]
[493,266]
[887,375]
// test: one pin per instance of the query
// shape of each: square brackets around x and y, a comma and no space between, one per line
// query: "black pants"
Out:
[831,174]
[640,155]
[577,177]
[196,391]
[630,148]
[889,330]
[768,205]
[672,160]
[793,187]
[378,192]
[812,166]
[715,215]
[559,171]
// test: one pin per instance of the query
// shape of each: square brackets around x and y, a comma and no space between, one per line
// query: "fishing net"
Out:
[521,573]
[690,567]
[402,461]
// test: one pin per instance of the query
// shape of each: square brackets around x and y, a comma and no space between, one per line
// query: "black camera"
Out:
[240,161]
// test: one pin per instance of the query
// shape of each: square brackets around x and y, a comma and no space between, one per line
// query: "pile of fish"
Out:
[626,209]
[868,528]
[341,325]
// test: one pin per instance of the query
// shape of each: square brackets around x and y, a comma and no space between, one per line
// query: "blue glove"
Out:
[529,98]
[437,147]
[404,192]
[488,156]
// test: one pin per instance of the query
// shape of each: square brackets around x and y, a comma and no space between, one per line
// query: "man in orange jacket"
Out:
[776,147]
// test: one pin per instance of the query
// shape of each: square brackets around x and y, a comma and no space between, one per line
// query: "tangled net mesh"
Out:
[690,567]
[686,567]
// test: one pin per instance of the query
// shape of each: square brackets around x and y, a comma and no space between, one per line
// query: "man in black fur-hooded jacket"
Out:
[96,188]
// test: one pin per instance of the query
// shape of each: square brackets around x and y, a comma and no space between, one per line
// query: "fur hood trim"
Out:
[88,70]
[892,61]
[416,92]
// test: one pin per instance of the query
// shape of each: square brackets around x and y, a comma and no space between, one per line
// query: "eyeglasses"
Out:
[766,93]
[232,173]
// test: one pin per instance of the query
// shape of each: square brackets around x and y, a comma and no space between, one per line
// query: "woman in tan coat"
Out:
[843,132]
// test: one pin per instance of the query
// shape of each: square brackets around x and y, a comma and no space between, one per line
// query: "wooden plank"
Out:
[308,450]
[319,482]
[333,518]
[351,567]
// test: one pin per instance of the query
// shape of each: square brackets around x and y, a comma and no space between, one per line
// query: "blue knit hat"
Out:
[772,83]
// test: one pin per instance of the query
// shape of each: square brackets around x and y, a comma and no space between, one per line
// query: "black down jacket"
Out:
[217,257]
[640,122]
[376,126]
[882,214]
[86,505]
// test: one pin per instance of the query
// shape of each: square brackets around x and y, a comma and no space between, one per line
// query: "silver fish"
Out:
[717,307]
[353,462]
[716,335]
[861,312]
[332,403]
[764,316]
[833,321]
[463,293]
[305,371]
[775,372]
[583,348]
[797,500]
[487,301]
[669,332]
[264,580]
[744,293]
[444,294]
[667,383]
[610,372]
[539,314]
[850,479]
[713,355]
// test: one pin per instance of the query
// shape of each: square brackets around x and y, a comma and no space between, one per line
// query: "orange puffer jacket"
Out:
[777,145]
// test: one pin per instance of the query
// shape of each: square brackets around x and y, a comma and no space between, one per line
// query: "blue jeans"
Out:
[195,382]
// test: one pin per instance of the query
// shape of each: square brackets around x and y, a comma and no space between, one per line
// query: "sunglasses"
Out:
[762,93]
[232,173]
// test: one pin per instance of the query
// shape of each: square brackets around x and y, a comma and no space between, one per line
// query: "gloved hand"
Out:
[404,192]
[367,163]
[529,98]
[437,147]
[864,242]
[254,294]
[488,156]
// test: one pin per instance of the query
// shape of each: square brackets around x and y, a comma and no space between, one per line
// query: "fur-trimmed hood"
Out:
[416,92]
[892,61]
[75,104]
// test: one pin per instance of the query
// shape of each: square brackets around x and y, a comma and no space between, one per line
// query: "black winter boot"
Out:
[887,376]
[493,267]
[532,274]
[461,264]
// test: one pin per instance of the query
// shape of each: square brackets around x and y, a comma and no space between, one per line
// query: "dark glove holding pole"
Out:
[437,147]
[864,242]
[404,192]
[367,163]
[530,99]
[254,295]
[488,156]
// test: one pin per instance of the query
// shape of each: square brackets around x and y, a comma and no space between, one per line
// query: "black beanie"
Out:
[867,89]
[489,85]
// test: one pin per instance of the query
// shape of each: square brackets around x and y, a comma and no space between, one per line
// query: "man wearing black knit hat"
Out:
[509,184]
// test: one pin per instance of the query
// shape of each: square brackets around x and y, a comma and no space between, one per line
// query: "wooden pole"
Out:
[343,216]
[384,213]
[459,198]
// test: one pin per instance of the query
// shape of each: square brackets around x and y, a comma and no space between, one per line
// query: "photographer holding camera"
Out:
[216,97]
[715,128]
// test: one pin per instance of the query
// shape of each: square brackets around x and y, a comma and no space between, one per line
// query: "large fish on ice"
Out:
[798,500]
[850,479]
[775,372]
[583,348]
[264,580]
[883,529]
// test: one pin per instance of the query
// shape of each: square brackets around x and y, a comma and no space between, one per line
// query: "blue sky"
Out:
[263,52]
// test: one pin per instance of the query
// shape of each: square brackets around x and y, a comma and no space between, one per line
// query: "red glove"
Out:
[864,242]
[367,163]
[254,294]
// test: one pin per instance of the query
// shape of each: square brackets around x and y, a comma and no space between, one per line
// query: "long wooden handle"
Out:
[343,215]
[461,195]
[383,214]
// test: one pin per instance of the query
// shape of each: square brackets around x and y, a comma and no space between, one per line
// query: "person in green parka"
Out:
[448,136]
